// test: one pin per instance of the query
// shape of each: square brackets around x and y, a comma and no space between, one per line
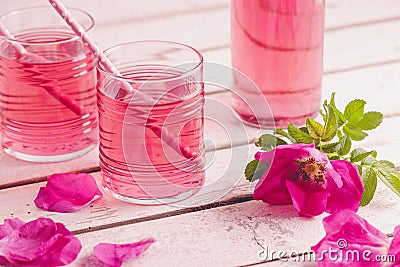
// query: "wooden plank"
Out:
[376,85]
[343,13]
[340,13]
[214,31]
[354,47]
[224,182]
[341,54]
[14,172]
[121,11]
[222,176]
[222,130]
[230,235]
[367,81]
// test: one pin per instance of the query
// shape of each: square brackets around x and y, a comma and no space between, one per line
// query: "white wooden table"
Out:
[362,59]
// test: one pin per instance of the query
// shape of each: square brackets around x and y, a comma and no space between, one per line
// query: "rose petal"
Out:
[271,188]
[355,234]
[349,195]
[41,242]
[308,199]
[9,226]
[334,180]
[266,157]
[116,254]
[67,192]
[356,229]
[295,151]
[394,248]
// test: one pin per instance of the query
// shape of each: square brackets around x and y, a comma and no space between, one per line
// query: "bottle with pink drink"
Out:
[278,45]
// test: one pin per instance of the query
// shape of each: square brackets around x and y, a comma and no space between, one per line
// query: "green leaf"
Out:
[268,142]
[281,132]
[323,115]
[354,132]
[284,134]
[339,134]
[360,168]
[370,120]
[344,146]
[384,165]
[370,181]
[255,169]
[391,180]
[315,129]
[298,135]
[341,119]
[329,148]
[303,129]
[359,154]
[354,110]
[331,125]
[368,161]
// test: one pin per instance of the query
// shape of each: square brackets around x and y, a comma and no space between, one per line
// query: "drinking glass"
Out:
[47,86]
[151,122]
[277,44]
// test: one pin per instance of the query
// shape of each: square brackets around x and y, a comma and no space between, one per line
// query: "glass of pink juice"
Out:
[138,160]
[278,44]
[47,87]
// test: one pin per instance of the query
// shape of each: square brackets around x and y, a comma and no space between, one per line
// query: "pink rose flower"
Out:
[351,241]
[41,242]
[303,176]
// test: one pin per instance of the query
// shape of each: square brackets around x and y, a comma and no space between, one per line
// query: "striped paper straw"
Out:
[161,132]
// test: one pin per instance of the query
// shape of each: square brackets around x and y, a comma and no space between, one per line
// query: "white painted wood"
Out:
[225,236]
[340,13]
[364,45]
[223,181]
[223,129]
[14,171]
[383,79]
[344,49]
[222,176]
[120,11]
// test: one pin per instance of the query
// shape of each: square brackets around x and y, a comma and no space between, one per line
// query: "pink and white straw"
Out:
[161,132]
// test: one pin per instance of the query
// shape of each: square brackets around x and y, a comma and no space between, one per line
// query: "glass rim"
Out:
[33,8]
[111,49]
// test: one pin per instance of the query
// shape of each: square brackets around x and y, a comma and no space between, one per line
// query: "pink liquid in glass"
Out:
[35,124]
[137,165]
[277,44]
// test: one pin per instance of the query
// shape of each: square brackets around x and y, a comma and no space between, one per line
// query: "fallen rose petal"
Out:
[349,235]
[9,226]
[394,249]
[115,254]
[41,242]
[67,192]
